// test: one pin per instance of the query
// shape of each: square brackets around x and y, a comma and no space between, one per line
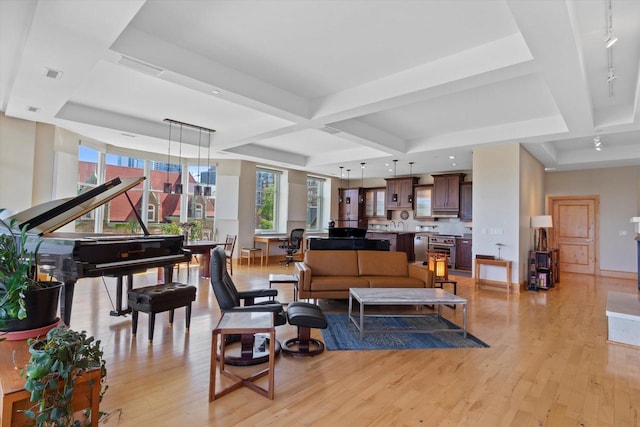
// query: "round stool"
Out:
[305,316]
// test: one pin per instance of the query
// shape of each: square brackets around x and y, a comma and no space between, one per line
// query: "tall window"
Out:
[314,203]
[267,194]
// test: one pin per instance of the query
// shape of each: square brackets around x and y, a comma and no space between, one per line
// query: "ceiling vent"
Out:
[32,109]
[53,74]
[140,66]
[330,130]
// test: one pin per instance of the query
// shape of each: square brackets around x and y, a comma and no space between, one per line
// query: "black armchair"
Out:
[230,299]
[292,245]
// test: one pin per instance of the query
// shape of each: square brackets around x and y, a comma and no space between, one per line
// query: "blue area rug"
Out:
[341,334]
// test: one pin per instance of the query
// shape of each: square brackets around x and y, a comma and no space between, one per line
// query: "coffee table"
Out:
[404,296]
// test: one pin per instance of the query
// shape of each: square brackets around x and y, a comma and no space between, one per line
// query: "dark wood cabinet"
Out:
[375,203]
[400,242]
[466,206]
[464,259]
[446,192]
[399,193]
[544,272]
[350,209]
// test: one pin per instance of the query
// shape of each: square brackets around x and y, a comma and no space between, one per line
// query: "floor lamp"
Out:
[540,223]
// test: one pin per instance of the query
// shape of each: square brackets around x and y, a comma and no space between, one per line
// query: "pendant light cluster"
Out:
[348,200]
[410,198]
[394,196]
[177,188]
[340,190]
[361,197]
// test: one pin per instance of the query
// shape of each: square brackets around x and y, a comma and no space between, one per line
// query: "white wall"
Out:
[618,191]
[17,147]
[532,202]
[496,207]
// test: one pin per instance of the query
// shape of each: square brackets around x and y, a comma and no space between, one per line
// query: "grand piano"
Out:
[71,256]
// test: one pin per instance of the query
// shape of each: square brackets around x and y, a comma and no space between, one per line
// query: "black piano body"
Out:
[348,243]
[71,256]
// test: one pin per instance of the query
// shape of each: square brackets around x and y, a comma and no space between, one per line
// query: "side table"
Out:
[232,323]
[285,278]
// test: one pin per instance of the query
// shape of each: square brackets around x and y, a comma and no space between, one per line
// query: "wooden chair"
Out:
[229,246]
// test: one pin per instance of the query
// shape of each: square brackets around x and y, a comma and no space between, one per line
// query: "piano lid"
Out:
[49,216]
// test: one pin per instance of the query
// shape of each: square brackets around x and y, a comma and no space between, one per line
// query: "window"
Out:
[314,203]
[151,213]
[267,195]
[198,211]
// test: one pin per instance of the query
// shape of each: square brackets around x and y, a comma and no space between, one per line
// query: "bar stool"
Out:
[250,254]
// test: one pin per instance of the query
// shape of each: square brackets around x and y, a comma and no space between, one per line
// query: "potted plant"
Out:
[57,362]
[25,302]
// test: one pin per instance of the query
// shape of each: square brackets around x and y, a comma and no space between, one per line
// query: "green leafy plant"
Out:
[18,270]
[56,363]
[171,228]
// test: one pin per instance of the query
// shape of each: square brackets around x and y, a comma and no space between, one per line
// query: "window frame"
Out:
[277,175]
[319,196]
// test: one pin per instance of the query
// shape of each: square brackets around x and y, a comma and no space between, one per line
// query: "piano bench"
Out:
[158,298]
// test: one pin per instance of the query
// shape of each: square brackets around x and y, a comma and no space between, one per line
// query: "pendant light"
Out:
[177,188]
[340,188]
[361,197]
[167,184]
[197,189]
[348,200]
[394,196]
[410,198]
[207,189]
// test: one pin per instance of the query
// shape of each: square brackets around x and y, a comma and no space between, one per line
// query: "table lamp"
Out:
[540,223]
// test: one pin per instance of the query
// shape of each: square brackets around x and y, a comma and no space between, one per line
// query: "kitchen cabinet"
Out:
[422,201]
[374,205]
[464,258]
[446,193]
[350,210]
[400,242]
[402,189]
[466,211]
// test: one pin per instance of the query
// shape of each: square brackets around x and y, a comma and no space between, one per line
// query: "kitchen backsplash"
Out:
[451,226]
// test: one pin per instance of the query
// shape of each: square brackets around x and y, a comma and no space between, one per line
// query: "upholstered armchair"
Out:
[230,300]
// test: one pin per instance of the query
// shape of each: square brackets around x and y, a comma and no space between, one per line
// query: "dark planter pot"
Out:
[42,308]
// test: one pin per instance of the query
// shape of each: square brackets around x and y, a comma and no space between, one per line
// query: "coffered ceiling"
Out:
[314,85]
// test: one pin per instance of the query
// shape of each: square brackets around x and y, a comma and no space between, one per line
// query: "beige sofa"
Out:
[330,274]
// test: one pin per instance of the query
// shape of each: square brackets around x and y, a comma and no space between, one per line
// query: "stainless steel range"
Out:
[447,244]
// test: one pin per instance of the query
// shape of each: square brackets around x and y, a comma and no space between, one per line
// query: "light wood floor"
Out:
[549,364]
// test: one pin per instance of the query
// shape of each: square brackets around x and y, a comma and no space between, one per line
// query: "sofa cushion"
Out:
[337,283]
[382,263]
[332,263]
[393,282]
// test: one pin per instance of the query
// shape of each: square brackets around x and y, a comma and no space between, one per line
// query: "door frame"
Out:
[551,200]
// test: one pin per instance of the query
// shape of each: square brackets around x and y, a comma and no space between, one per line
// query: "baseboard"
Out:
[617,274]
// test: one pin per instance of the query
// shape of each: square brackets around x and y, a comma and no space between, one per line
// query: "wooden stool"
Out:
[250,254]
[159,298]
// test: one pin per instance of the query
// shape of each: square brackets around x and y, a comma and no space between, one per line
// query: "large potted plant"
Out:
[57,363]
[26,303]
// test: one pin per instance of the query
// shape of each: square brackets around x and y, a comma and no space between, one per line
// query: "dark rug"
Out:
[341,334]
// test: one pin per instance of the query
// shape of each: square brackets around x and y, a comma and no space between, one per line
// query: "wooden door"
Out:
[575,232]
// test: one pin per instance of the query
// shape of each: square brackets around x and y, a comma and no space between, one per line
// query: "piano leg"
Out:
[119,311]
[66,301]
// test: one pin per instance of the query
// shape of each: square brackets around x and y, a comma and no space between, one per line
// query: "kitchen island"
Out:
[400,241]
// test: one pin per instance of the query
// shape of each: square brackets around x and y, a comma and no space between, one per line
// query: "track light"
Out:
[610,41]
[612,76]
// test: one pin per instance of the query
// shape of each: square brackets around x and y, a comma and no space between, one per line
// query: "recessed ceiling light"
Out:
[53,74]
[215,92]
[452,157]
[453,164]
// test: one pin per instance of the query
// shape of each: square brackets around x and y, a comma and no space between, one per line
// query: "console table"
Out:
[496,263]
[14,355]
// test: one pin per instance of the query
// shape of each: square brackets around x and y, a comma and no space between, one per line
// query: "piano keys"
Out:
[71,256]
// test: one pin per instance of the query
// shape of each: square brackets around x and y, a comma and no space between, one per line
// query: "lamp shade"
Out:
[541,221]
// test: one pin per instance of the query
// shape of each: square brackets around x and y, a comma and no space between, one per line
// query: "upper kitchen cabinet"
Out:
[375,203]
[422,201]
[350,210]
[466,211]
[446,193]
[400,193]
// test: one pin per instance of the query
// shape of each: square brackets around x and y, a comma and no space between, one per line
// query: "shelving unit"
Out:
[543,269]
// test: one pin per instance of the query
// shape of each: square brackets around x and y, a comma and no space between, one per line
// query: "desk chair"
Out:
[229,246]
[292,245]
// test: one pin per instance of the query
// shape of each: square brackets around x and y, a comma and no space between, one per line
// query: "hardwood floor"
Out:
[549,364]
